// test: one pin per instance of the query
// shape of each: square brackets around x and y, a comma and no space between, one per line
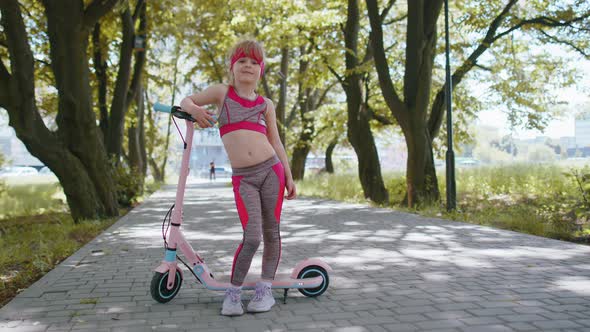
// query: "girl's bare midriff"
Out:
[247,148]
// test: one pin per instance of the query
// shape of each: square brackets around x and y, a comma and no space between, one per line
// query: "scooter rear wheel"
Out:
[158,288]
[311,272]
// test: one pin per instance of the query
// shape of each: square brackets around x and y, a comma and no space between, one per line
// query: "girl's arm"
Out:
[193,104]
[275,140]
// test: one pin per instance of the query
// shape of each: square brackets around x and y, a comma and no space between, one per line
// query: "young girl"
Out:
[260,170]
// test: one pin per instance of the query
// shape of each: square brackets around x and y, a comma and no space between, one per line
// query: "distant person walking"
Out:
[211,171]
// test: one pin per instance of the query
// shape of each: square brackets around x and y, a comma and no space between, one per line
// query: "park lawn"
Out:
[33,245]
[532,199]
[37,233]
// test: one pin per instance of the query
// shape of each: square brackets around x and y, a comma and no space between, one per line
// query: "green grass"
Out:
[532,199]
[33,245]
[32,199]
[37,233]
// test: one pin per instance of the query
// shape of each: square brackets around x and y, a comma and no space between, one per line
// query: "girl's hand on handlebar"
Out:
[203,117]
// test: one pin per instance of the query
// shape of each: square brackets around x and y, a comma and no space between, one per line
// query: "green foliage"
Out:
[330,121]
[396,186]
[581,203]
[522,72]
[2,183]
[128,183]
[518,81]
[3,188]
[465,109]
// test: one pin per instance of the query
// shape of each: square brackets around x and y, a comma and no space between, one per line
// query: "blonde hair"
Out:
[250,47]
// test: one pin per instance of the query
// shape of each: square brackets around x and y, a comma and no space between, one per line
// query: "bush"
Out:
[2,183]
[129,183]
[581,204]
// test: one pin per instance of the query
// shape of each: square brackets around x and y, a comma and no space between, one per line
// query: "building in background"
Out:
[581,147]
[568,142]
[582,130]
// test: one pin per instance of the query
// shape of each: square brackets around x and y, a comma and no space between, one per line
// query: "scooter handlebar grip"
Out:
[162,108]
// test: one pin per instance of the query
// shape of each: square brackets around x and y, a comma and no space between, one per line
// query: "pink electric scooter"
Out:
[309,276]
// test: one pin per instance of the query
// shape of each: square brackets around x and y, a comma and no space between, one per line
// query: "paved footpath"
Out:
[392,272]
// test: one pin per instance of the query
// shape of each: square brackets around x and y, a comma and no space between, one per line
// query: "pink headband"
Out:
[241,54]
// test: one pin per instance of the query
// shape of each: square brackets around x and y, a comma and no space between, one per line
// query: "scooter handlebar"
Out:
[174,110]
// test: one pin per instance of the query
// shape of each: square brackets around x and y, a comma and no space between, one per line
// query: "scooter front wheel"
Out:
[158,288]
[311,272]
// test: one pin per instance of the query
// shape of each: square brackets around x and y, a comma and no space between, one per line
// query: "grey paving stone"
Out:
[490,312]
[481,320]
[557,324]
[488,328]
[438,324]
[523,326]
[415,310]
[457,306]
[393,271]
[402,327]
[448,314]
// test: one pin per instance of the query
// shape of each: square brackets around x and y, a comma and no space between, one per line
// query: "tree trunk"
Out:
[137,153]
[75,152]
[141,128]
[151,134]
[361,138]
[100,68]
[119,103]
[282,103]
[136,161]
[298,161]
[303,144]
[328,159]
[359,130]
[158,176]
[162,167]
[422,184]
[304,101]
[76,119]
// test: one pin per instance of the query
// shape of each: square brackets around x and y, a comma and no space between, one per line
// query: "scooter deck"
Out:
[282,280]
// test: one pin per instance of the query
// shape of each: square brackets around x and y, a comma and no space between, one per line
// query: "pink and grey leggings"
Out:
[258,191]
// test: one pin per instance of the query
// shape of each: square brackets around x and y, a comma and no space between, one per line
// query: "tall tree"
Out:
[310,97]
[418,112]
[128,78]
[74,152]
[136,144]
[359,131]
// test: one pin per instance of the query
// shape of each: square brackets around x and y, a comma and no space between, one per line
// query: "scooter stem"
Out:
[184,171]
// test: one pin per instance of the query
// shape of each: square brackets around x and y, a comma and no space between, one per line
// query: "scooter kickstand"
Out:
[285,296]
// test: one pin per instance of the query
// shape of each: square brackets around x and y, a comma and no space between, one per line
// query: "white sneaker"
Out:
[263,299]
[232,304]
